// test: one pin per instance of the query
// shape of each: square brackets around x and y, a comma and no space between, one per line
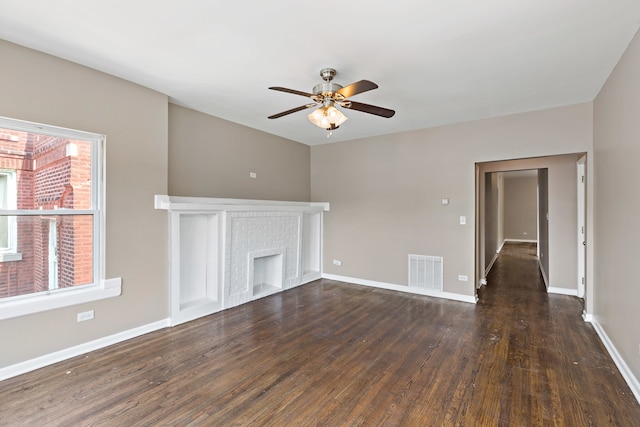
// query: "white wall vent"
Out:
[425,272]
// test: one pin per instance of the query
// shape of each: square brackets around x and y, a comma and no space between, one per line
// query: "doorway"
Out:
[554,208]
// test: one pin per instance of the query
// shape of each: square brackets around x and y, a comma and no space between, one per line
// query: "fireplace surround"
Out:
[226,252]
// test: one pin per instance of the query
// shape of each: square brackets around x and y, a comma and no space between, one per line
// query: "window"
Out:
[51,218]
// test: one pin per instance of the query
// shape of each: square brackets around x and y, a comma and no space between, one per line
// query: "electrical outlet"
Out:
[463,220]
[462,278]
[85,315]
[337,262]
[253,175]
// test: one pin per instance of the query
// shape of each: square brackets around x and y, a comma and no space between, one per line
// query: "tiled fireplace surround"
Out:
[226,252]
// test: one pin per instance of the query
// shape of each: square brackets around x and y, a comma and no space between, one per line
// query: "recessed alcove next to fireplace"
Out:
[226,252]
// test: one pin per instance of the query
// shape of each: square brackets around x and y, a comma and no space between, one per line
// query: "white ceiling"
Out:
[435,61]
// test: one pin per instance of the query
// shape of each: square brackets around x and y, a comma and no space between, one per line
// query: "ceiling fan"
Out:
[327,95]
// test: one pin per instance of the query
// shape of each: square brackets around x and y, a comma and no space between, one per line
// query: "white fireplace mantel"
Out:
[180,203]
[226,252]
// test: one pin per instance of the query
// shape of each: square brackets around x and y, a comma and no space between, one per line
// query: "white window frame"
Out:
[100,288]
[10,253]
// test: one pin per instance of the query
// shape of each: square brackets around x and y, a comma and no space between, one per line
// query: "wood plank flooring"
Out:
[335,354]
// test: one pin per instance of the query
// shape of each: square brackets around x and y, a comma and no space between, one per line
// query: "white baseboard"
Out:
[493,260]
[68,353]
[544,275]
[624,369]
[521,240]
[402,288]
[562,291]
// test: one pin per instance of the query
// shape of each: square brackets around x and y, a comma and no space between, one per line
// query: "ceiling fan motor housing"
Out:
[328,88]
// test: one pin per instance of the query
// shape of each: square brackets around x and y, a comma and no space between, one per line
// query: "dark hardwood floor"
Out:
[335,354]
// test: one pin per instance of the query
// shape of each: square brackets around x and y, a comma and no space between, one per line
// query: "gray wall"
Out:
[385,192]
[211,157]
[40,88]
[520,205]
[617,150]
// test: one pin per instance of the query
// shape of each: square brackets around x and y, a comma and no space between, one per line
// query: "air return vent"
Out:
[425,272]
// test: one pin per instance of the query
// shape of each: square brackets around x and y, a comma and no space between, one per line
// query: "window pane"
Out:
[3,191]
[57,252]
[4,233]
[50,171]
[4,222]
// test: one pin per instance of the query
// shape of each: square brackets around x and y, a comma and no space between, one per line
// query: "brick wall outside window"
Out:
[51,173]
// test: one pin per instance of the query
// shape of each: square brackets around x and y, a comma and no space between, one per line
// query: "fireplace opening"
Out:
[267,274]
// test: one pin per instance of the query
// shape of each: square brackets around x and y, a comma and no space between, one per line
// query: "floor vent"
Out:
[425,272]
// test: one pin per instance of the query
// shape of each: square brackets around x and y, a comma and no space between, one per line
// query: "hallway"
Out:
[336,354]
[554,363]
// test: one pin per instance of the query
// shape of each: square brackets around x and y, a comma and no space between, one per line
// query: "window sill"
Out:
[49,301]
[10,256]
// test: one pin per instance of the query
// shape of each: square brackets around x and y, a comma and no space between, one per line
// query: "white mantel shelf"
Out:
[226,252]
[181,203]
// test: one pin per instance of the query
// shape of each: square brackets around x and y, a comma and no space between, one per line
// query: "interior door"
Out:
[582,237]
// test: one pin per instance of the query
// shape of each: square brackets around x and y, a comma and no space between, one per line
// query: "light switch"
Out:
[445,201]
[463,220]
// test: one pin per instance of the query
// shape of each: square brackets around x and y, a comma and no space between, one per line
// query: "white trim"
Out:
[562,291]
[25,126]
[624,369]
[581,225]
[310,277]
[521,240]
[490,266]
[59,298]
[493,260]
[51,212]
[403,288]
[544,275]
[68,353]
[179,203]
[11,191]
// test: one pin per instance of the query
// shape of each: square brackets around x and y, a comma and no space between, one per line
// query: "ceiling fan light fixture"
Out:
[327,117]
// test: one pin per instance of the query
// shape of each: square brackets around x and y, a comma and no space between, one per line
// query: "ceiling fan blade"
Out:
[293,110]
[356,88]
[293,91]
[371,109]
